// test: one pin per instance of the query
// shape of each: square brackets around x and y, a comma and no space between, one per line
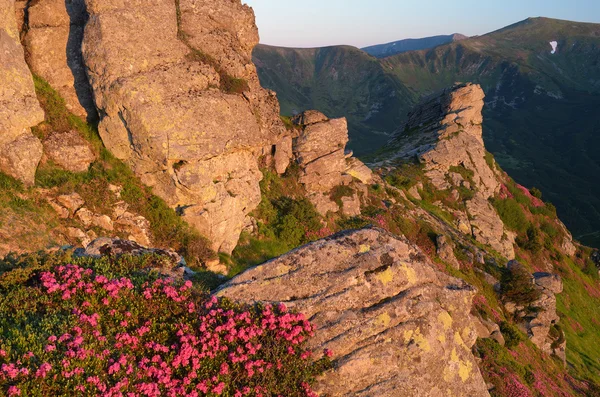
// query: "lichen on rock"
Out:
[395,324]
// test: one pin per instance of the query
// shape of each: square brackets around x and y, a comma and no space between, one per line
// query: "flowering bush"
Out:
[74,330]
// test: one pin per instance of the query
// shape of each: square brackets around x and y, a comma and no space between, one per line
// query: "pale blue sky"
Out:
[312,23]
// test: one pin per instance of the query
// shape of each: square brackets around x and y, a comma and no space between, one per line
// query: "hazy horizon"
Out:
[319,23]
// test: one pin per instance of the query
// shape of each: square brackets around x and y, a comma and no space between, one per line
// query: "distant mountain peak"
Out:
[405,45]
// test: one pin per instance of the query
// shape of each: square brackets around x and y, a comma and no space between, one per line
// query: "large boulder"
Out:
[20,151]
[396,325]
[167,110]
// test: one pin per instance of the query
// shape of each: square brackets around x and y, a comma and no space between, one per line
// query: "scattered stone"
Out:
[395,325]
[446,252]
[85,216]
[414,191]
[103,221]
[73,202]
[62,212]
[105,246]
[69,150]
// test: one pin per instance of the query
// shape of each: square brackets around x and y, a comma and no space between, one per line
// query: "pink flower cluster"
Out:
[536,202]
[321,233]
[158,339]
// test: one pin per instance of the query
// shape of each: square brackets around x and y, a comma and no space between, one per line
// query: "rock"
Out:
[105,246]
[488,228]
[196,145]
[395,324]
[550,282]
[540,317]
[319,150]
[62,212]
[309,117]
[20,151]
[414,191]
[19,158]
[136,226]
[283,154]
[357,169]
[72,202]
[445,133]
[85,216]
[69,150]
[216,266]
[351,205]
[53,47]
[446,252]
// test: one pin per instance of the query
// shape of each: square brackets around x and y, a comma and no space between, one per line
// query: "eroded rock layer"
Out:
[320,151]
[396,326]
[169,104]
[20,151]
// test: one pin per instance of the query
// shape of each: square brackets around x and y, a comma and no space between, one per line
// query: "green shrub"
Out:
[339,192]
[535,192]
[512,335]
[355,222]
[512,214]
[517,286]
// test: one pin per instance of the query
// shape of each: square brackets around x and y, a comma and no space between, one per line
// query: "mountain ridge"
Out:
[410,44]
[529,92]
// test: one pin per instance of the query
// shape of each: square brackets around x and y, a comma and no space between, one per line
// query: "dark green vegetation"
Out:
[113,326]
[540,116]
[340,82]
[168,229]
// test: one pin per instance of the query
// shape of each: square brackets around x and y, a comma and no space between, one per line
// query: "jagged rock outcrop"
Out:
[20,151]
[396,325]
[167,107]
[53,31]
[445,134]
[320,151]
[539,318]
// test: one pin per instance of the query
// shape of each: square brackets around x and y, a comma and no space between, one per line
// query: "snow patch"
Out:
[554,45]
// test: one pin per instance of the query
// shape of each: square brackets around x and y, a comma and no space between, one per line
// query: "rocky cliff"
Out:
[20,151]
[183,108]
[444,134]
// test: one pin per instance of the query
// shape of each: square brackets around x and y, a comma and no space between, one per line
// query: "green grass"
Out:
[580,318]
[512,214]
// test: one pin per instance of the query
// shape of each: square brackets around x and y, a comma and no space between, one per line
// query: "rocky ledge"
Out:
[396,325]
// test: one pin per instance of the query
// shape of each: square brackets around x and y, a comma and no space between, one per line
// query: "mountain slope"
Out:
[339,81]
[400,46]
[539,114]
